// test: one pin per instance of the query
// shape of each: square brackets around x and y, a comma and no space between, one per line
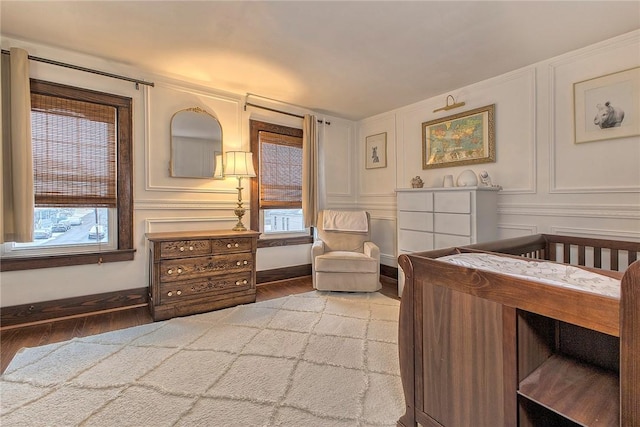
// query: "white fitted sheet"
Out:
[564,275]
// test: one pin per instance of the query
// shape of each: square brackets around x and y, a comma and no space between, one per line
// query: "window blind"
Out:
[74,152]
[280,171]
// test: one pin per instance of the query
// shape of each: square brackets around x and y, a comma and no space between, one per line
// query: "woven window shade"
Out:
[280,171]
[74,152]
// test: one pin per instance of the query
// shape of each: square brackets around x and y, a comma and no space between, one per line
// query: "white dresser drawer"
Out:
[448,240]
[459,224]
[455,202]
[421,221]
[418,201]
[414,241]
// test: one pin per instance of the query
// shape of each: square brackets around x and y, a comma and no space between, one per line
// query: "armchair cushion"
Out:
[343,261]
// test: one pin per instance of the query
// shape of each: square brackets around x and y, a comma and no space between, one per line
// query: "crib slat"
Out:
[581,257]
[597,257]
[614,259]
[552,252]
[567,254]
[633,256]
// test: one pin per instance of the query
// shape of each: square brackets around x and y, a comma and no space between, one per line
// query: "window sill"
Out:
[284,241]
[30,263]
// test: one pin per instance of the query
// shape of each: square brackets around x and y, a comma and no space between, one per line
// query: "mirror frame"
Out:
[197,110]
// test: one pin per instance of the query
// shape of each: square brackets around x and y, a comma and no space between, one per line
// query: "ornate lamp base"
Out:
[239,211]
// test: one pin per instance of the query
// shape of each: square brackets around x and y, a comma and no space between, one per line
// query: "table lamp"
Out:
[240,165]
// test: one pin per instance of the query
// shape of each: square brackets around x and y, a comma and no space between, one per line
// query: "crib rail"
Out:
[597,253]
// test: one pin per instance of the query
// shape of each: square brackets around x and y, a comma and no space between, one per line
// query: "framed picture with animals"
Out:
[607,107]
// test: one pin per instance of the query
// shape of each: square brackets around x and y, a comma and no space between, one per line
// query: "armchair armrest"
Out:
[372,250]
[316,249]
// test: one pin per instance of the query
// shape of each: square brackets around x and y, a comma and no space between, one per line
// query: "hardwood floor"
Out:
[15,338]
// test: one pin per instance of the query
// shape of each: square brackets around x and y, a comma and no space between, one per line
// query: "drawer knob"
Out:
[181,248]
[238,263]
[178,292]
[245,262]
[237,245]
[190,248]
[238,283]
[169,294]
[179,270]
[244,282]
[229,245]
[170,271]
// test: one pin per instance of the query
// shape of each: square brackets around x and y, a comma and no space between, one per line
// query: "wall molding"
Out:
[529,229]
[350,184]
[553,67]
[565,210]
[197,91]
[171,204]
[596,233]
[150,222]
[529,76]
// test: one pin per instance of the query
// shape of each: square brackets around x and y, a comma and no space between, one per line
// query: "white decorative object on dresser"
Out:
[434,218]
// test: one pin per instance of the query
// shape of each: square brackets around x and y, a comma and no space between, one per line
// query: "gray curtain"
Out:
[310,170]
[17,161]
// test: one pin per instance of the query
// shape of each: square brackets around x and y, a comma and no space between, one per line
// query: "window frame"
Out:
[124,183]
[299,238]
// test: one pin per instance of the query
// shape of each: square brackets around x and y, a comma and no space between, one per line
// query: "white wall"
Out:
[550,184]
[163,203]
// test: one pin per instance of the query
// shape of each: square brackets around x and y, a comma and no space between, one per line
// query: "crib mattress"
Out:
[563,275]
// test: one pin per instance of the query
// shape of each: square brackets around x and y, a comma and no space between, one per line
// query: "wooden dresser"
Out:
[194,272]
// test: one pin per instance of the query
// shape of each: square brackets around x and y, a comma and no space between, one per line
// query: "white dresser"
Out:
[434,218]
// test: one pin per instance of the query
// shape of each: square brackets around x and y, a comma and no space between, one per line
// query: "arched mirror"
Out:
[196,139]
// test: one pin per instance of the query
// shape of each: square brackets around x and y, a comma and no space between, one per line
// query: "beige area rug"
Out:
[314,359]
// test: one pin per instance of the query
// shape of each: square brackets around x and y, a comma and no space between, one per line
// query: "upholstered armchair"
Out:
[343,257]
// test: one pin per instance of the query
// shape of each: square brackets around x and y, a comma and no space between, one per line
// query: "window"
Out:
[82,158]
[276,195]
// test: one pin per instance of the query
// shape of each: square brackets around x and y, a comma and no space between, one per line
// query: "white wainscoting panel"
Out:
[163,102]
[606,166]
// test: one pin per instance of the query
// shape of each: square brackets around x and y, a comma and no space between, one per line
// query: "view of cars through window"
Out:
[69,226]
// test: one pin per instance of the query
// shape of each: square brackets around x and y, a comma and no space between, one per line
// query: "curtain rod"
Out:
[280,111]
[87,70]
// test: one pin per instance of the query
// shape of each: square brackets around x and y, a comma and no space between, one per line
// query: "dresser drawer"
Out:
[459,224]
[230,245]
[454,202]
[175,292]
[421,221]
[184,248]
[414,241]
[188,268]
[448,240]
[415,201]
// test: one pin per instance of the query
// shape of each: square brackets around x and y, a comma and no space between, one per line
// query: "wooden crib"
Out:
[480,348]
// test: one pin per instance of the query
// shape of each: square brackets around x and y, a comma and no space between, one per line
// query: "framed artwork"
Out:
[376,151]
[460,139]
[607,107]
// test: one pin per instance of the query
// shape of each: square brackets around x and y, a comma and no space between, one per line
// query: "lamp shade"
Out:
[239,163]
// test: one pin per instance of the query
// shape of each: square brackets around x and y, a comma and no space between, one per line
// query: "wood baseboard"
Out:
[293,272]
[70,307]
[277,274]
[390,272]
[20,315]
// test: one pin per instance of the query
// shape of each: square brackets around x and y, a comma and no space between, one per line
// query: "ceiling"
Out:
[350,59]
